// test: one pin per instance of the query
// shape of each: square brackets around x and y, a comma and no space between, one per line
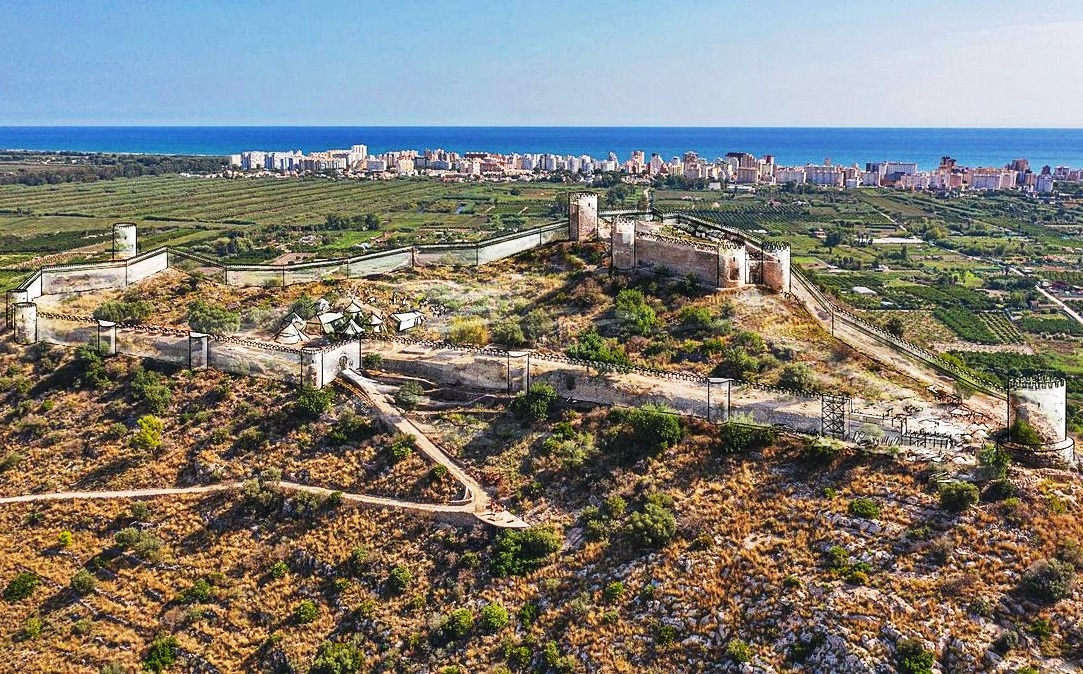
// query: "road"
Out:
[1064,307]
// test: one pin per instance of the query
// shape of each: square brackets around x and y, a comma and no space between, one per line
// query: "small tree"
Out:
[409,395]
[468,331]
[911,657]
[212,320]
[520,551]
[654,525]
[149,436]
[864,507]
[797,376]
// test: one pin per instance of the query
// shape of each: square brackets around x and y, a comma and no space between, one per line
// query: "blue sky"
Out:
[544,62]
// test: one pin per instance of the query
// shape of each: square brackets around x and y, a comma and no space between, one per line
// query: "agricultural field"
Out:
[270,215]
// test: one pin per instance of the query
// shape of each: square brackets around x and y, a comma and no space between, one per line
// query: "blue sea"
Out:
[973,147]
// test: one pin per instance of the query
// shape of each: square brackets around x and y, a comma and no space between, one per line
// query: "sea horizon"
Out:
[796,145]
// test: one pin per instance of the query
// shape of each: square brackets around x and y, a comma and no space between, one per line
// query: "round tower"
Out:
[1037,421]
[124,240]
[25,320]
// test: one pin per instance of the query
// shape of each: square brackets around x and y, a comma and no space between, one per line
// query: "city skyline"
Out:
[994,64]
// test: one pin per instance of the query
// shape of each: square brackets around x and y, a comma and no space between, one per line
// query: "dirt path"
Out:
[479,502]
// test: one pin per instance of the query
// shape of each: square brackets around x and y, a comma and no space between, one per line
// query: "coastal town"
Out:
[733,170]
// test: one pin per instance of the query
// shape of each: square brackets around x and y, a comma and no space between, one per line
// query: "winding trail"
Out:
[476,504]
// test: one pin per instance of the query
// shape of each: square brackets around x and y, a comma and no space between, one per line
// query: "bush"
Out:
[372,361]
[520,551]
[10,461]
[199,592]
[535,403]
[1048,580]
[591,346]
[458,623]
[123,312]
[306,612]
[399,579]
[312,402]
[212,320]
[654,525]
[509,333]
[957,496]
[738,651]
[738,438]
[797,376]
[995,460]
[493,617]
[821,450]
[32,628]
[142,544]
[1024,433]
[151,389]
[21,586]
[409,395]
[999,490]
[402,446]
[65,539]
[279,569]
[162,654]
[644,431]
[337,657]
[613,592]
[864,507]
[83,582]
[468,331]
[912,658]
[634,314]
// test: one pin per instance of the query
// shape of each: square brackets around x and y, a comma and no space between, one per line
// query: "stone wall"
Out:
[583,216]
[680,257]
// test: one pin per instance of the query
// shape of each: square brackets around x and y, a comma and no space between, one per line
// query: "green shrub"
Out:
[591,346]
[212,320]
[994,460]
[1023,433]
[634,314]
[613,592]
[643,431]
[152,390]
[306,612]
[957,496]
[458,624]
[21,586]
[409,395]
[738,438]
[337,657]
[162,654]
[509,333]
[493,617]
[797,376]
[372,361]
[142,544]
[999,490]
[1048,580]
[279,570]
[399,579]
[123,312]
[821,450]
[520,551]
[912,658]
[534,405]
[738,651]
[468,330]
[654,525]
[139,511]
[312,402]
[402,446]
[83,582]
[32,628]
[65,538]
[864,507]
[10,461]
[665,634]
[199,592]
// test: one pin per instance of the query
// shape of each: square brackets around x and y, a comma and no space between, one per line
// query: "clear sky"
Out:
[543,62]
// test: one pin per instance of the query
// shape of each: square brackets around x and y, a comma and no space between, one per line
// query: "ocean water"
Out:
[973,147]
